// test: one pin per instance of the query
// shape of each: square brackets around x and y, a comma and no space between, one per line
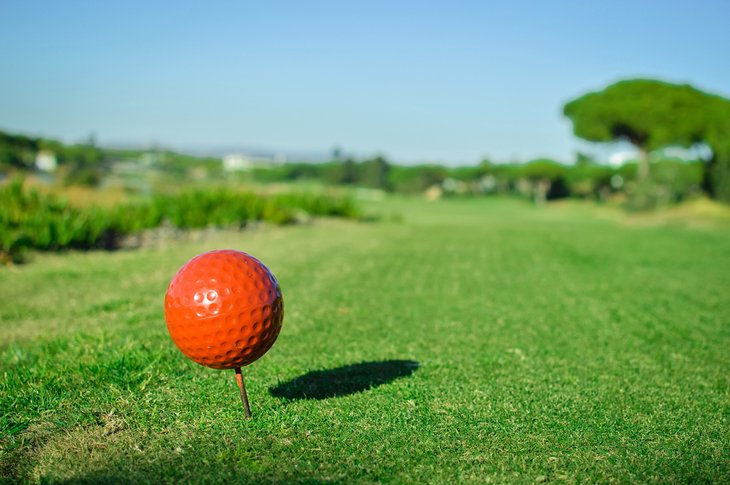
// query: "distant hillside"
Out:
[21,152]
[86,163]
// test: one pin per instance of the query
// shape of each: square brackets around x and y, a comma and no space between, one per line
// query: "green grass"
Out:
[553,345]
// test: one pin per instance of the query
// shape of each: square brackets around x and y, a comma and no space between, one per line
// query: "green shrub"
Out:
[320,204]
[32,220]
[29,219]
[681,179]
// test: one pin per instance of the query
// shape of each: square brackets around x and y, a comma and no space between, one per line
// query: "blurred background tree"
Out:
[546,178]
[17,151]
[588,179]
[374,173]
[653,114]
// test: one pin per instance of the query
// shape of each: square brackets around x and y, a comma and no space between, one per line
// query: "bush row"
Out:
[585,179]
[33,220]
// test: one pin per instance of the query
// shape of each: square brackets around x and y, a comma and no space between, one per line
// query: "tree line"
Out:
[652,115]
[543,179]
[82,162]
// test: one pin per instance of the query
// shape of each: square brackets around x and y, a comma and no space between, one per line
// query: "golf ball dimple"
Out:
[224,309]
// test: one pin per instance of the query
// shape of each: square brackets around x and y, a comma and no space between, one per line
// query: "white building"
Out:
[240,162]
[237,162]
[45,161]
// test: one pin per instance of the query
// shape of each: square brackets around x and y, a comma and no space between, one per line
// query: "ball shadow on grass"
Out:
[349,379]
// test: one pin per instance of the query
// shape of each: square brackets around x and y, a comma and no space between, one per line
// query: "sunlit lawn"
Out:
[551,345]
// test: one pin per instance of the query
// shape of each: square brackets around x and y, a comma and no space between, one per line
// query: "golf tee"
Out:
[244,396]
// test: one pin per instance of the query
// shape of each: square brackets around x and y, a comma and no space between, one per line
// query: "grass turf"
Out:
[551,345]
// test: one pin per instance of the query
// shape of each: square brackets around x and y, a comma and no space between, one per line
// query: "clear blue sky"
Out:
[444,81]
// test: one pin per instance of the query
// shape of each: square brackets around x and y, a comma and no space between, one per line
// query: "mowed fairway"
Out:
[552,345]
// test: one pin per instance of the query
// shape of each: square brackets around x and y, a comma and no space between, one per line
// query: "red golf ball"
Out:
[224,309]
